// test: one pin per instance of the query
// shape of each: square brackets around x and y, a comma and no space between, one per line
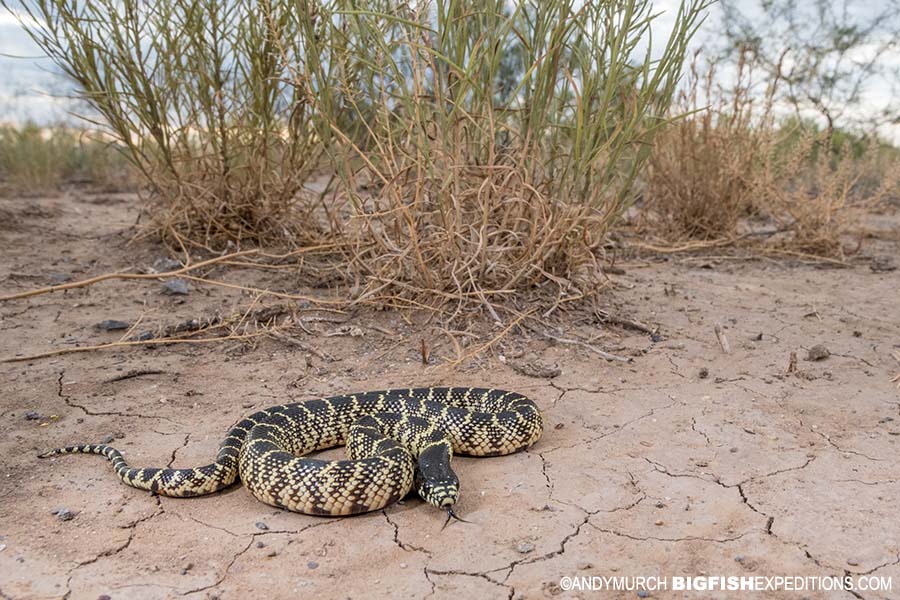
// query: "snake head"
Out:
[436,482]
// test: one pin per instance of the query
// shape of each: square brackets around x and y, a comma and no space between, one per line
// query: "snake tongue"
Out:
[452,515]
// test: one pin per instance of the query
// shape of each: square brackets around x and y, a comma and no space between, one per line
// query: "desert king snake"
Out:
[394,438]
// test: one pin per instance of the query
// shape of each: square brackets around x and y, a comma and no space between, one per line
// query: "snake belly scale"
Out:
[395,439]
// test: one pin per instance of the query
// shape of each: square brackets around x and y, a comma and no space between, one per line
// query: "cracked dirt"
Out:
[686,461]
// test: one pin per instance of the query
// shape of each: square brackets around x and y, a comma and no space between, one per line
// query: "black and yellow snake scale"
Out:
[394,438]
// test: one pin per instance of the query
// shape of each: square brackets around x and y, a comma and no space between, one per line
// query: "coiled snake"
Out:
[394,438]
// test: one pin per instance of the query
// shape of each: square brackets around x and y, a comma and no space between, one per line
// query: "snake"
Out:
[395,439]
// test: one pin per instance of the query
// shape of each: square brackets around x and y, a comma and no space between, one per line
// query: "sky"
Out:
[32,89]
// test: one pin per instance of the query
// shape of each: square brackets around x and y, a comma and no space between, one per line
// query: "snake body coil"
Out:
[394,438]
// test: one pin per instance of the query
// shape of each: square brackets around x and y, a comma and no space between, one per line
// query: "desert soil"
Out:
[687,461]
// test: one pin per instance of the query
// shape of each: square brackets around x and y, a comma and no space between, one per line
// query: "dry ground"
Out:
[648,468]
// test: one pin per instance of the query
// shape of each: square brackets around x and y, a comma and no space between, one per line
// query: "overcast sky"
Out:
[32,89]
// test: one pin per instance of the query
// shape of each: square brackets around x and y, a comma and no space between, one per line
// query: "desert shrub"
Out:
[498,141]
[39,160]
[480,148]
[197,96]
[733,171]
[708,169]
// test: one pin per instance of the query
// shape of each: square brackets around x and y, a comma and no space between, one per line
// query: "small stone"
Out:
[32,416]
[857,334]
[818,352]
[525,548]
[165,264]
[403,565]
[271,553]
[643,594]
[852,562]
[111,325]
[584,566]
[703,373]
[559,426]
[739,558]
[260,545]
[107,439]
[656,338]
[883,264]
[658,522]
[104,597]
[63,514]
[176,287]
[733,450]
[312,565]
[262,526]
[536,369]
[660,505]
[186,568]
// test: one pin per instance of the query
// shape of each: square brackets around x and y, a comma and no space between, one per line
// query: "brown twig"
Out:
[108,276]
[154,342]
[605,317]
[293,341]
[602,353]
[133,374]
[489,344]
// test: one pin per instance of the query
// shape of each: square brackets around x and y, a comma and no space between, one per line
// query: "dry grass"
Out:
[480,173]
[732,173]
[471,165]
[40,160]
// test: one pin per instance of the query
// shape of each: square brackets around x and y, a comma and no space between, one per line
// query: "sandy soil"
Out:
[687,461]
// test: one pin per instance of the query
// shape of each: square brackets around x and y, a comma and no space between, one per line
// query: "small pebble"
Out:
[312,565]
[739,558]
[111,325]
[660,505]
[525,548]
[403,565]
[104,597]
[187,567]
[658,523]
[559,426]
[164,264]
[260,545]
[262,526]
[63,514]
[107,439]
[852,562]
[643,594]
[733,450]
[584,566]
[32,416]
[818,352]
[883,264]
[176,287]
[703,373]
[271,553]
